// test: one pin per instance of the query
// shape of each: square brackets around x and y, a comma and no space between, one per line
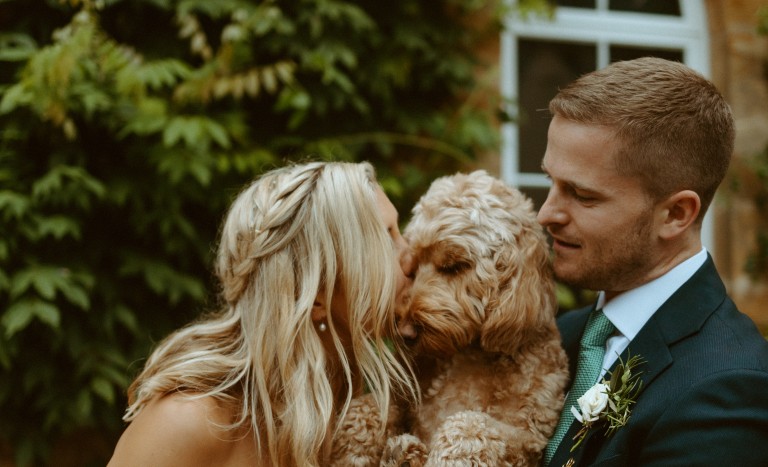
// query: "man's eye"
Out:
[583,198]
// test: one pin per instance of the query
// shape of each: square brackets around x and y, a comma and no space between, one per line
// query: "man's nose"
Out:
[544,215]
[550,212]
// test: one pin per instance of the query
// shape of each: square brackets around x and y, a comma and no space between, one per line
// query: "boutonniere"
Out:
[610,401]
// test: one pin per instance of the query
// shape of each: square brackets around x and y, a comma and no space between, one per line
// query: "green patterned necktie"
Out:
[591,353]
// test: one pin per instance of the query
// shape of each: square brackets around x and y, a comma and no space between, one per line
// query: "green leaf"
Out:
[16,47]
[13,205]
[218,133]
[181,128]
[150,117]
[77,296]
[83,405]
[57,226]
[20,283]
[46,284]
[17,95]
[161,73]
[69,182]
[103,389]
[163,279]
[47,280]
[124,315]
[47,313]
[116,377]
[195,132]
[92,98]
[180,163]
[20,314]
[44,279]
[17,317]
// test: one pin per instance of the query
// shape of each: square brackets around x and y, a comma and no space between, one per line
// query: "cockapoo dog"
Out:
[481,326]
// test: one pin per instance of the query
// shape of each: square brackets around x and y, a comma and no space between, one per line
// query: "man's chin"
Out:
[572,278]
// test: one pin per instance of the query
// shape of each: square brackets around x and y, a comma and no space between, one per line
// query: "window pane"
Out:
[576,3]
[544,67]
[660,7]
[619,53]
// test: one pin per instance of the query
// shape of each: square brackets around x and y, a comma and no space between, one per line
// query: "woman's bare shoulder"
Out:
[176,430]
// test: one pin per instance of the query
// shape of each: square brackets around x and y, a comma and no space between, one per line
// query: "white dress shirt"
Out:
[630,310]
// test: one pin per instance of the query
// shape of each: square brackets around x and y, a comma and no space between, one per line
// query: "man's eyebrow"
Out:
[573,184]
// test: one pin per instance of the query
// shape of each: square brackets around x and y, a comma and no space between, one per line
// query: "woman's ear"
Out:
[679,212]
[319,310]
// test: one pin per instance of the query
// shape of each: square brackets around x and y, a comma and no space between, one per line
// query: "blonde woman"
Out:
[309,273]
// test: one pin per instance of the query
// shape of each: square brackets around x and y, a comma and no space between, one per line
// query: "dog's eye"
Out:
[451,269]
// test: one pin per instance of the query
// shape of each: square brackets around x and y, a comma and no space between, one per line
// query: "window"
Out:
[539,55]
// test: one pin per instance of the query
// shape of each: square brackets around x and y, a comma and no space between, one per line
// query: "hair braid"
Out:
[264,218]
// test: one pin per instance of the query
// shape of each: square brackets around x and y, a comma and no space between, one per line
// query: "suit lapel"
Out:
[651,345]
[681,316]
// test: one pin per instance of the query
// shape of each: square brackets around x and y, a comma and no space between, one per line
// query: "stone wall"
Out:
[739,57]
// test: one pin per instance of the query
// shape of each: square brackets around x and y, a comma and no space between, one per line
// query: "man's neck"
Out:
[666,263]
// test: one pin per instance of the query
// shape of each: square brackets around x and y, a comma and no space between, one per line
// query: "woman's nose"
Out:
[407,263]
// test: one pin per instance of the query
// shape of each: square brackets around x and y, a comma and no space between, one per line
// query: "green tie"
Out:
[591,353]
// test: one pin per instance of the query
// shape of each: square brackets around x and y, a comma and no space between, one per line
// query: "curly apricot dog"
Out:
[481,321]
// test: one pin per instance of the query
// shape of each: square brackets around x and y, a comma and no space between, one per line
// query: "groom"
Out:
[635,153]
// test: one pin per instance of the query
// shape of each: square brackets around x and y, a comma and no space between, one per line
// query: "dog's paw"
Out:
[404,451]
[359,439]
[468,438]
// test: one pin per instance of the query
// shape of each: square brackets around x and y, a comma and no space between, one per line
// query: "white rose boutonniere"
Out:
[591,404]
[610,401]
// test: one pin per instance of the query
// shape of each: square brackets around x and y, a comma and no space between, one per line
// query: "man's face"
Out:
[602,223]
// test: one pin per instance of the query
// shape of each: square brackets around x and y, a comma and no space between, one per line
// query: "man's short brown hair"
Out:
[676,127]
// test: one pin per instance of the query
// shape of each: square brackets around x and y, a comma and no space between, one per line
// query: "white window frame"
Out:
[604,28]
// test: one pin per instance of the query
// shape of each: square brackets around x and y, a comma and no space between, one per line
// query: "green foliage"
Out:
[126,126]
[570,297]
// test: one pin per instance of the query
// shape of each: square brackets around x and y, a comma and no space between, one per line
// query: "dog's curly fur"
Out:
[481,321]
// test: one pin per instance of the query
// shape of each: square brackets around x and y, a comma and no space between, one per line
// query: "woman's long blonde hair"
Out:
[295,232]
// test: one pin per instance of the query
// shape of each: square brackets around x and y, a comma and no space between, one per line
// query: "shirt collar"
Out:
[632,309]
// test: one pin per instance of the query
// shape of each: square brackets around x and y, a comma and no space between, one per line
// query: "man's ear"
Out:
[679,212]
[319,310]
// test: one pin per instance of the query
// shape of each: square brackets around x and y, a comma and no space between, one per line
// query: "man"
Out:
[635,152]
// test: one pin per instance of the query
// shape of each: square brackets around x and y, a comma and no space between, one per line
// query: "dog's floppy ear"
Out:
[525,303]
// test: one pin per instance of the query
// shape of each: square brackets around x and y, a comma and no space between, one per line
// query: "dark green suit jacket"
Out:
[705,386]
